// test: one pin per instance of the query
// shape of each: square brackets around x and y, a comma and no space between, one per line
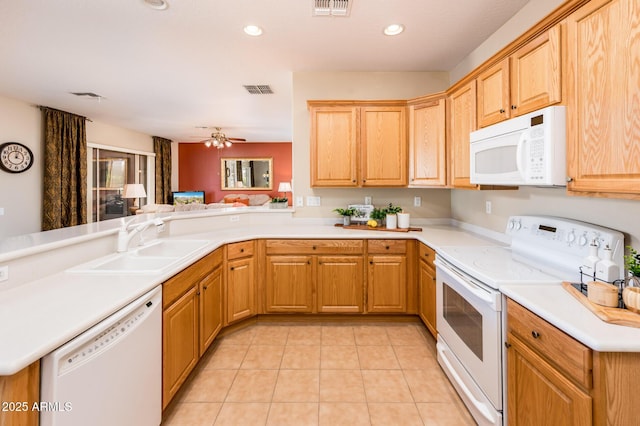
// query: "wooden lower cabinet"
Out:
[538,393]
[387,284]
[289,284]
[241,297]
[180,345]
[552,379]
[340,283]
[427,288]
[211,313]
[191,319]
[22,390]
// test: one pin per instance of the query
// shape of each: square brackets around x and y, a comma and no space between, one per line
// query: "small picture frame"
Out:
[363,212]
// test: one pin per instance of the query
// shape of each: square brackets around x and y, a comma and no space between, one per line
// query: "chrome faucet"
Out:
[124,236]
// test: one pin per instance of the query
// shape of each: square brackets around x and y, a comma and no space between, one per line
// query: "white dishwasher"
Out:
[110,374]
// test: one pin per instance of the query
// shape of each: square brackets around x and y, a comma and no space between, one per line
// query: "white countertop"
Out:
[554,304]
[41,315]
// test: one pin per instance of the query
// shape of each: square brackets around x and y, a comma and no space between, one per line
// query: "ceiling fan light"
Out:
[253,30]
[227,144]
[207,144]
[393,29]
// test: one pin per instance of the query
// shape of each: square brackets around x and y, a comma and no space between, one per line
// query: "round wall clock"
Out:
[15,157]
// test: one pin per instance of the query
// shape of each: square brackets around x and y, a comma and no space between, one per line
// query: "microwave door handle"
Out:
[519,152]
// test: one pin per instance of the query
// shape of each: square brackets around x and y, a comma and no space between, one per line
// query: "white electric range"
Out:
[470,316]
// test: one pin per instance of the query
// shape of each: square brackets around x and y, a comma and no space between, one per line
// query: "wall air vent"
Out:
[258,89]
[332,7]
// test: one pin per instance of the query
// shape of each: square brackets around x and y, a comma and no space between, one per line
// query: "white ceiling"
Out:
[166,72]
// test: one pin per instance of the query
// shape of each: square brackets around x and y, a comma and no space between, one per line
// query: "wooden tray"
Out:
[381,228]
[611,315]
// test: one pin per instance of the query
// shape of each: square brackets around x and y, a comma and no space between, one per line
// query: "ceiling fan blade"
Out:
[237,139]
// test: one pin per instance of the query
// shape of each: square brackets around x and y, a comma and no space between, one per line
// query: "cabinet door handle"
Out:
[433,278]
[371,262]
[197,293]
[514,107]
[313,247]
[205,287]
[386,247]
[308,262]
[535,334]
[354,181]
[241,250]
[507,345]
[501,110]
[232,268]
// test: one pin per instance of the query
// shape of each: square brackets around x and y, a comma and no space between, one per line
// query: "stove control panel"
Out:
[568,239]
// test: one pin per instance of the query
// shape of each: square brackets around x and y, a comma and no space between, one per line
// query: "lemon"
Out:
[372,223]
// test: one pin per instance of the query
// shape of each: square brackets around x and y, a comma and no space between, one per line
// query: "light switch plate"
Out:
[299,202]
[417,201]
[367,200]
[313,201]
[1,211]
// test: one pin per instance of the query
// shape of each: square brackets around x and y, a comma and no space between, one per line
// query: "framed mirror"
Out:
[246,174]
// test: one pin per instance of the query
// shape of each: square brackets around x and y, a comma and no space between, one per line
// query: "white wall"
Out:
[360,86]
[21,193]
[527,17]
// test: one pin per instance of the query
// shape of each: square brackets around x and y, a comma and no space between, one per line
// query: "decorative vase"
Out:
[346,220]
[403,220]
[392,221]
[279,205]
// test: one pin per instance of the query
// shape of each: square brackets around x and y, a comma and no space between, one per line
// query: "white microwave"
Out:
[525,150]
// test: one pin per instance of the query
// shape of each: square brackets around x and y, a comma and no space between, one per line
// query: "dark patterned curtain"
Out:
[162,148]
[64,200]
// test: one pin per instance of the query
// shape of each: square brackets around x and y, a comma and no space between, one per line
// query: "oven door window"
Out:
[464,319]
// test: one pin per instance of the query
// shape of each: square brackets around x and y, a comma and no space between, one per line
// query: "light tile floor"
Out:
[320,374]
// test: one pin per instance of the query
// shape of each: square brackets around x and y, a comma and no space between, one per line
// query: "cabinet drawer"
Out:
[427,254]
[180,283]
[387,246]
[238,250]
[569,355]
[314,246]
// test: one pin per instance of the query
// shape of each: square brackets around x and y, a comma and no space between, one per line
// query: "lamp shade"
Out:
[284,187]
[134,190]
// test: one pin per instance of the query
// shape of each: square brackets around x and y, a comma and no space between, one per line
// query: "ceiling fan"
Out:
[220,140]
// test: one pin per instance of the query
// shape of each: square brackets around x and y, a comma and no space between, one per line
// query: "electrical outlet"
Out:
[234,218]
[299,202]
[417,201]
[1,211]
[4,273]
[487,207]
[313,201]
[367,200]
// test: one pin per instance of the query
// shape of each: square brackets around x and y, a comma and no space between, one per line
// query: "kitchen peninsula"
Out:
[55,307]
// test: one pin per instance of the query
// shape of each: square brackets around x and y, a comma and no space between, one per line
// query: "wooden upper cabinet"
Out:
[427,143]
[493,94]
[462,121]
[603,134]
[529,79]
[536,73]
[334,146]
[355,144]
[384,146]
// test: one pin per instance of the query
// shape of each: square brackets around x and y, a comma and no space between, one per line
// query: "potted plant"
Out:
[377,216]
[391,215]
[346,215]
[279,203]
[632,264]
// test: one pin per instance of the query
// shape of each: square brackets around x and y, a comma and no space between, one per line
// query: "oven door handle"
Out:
[467,283]
[482,408]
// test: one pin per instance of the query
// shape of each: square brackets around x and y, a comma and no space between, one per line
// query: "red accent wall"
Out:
[199,166]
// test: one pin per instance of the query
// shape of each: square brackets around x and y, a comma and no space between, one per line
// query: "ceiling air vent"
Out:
[87,95]
[332,7]
[258,89]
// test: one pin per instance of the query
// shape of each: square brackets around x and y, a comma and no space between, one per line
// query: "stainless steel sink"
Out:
[156,258]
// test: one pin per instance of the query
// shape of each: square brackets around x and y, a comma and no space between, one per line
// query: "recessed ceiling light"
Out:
[393,29]
[157,4]
[253,30]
